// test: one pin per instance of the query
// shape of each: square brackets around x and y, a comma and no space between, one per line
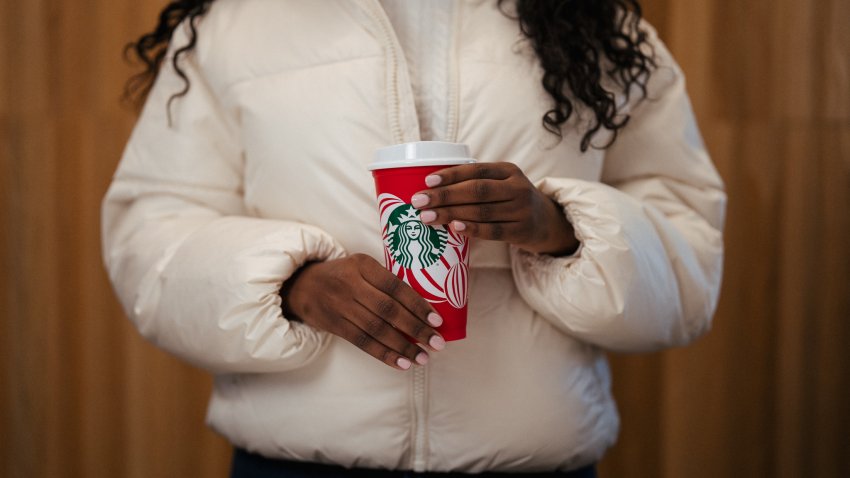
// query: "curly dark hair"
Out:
[150,50]
[578,42]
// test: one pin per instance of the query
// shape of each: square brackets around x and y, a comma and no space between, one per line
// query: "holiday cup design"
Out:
[432,259]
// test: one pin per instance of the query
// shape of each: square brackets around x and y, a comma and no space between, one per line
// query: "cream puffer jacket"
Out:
[264,169]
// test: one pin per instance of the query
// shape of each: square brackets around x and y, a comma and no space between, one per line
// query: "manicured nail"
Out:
[458,226]
[427,216]
[433,180]
[403,363]
[422,358]
[435,320]
[437,342]
[419,200]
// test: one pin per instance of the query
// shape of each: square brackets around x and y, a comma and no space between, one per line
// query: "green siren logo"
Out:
[431,259]
[413,244]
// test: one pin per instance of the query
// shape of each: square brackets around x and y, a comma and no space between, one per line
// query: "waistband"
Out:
[252,465]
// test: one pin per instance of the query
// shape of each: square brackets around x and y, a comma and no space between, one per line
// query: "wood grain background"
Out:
[765,394]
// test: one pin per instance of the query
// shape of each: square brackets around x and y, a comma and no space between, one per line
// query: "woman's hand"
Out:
[359,300]
[496,201]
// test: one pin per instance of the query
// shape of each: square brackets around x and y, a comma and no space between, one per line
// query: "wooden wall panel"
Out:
[82,394]
[764,394]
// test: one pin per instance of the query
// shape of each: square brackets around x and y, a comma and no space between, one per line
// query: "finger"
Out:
[386,282]
[391,311]
[464,172]
[385,334]
[365,342]
[473,191]
[512,232]
[504,211]
[400,305]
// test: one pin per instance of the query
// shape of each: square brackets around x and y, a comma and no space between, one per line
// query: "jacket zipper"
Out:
[419,392]
[454,81]
[376,11]
[420,410]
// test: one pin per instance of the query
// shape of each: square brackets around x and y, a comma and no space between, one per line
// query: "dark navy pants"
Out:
[250,465]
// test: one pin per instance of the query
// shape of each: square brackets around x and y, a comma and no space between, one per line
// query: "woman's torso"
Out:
[317,87]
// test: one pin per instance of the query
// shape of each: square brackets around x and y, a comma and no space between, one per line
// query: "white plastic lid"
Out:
[421,153]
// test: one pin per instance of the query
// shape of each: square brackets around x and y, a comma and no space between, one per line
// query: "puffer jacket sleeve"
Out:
[196,274]
[647,273]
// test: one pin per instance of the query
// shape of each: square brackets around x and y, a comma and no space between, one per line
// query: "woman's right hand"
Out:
[359,300]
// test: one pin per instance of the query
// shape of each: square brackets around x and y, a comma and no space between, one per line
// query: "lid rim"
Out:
[420,151]
[414,163]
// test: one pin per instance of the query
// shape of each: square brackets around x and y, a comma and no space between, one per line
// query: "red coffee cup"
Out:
[432,259]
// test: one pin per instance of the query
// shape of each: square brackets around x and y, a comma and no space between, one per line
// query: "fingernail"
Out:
[437,342]
[403,363]
[435,320]
[427,216]
[458,226]
[419,200]
[433,180]
[422,358]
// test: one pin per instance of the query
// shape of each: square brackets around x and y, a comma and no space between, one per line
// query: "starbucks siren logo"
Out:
[432,259]
[413,244]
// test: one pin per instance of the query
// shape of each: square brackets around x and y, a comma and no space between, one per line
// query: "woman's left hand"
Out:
[496,201]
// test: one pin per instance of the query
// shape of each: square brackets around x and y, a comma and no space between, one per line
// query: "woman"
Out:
[240,230]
